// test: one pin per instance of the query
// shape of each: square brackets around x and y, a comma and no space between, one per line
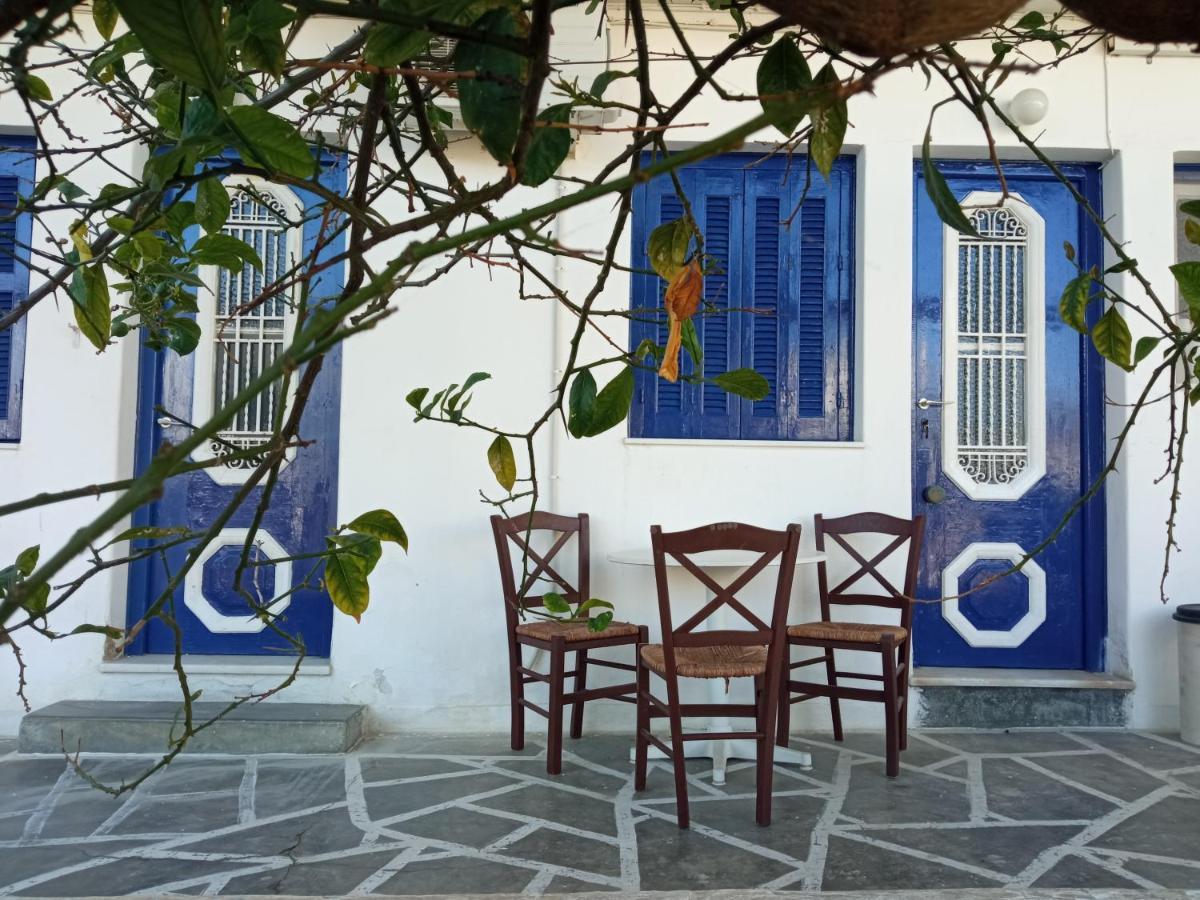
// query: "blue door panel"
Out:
[303,506]
[1071,637]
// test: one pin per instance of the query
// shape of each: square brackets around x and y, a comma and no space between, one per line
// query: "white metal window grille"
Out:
[249,336]
[992,446]
[993,324]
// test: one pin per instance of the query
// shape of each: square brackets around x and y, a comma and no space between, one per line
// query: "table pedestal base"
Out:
[721,751]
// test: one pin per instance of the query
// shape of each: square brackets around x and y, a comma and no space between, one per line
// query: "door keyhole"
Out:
[925,429]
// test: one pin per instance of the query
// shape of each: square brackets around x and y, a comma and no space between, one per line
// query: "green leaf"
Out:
[1144,346]
[416,396]
[784,81]
[346,582]
[271,142]
[549,145]
[212,204]
[263,49]
[226,251]
[1191,230]
[668,246]
[36,599]
[502,462]
[691,343]
[939,192]
[599,623]
[491,102]
[182,36]
[36,89]
[612,403]
[1072,305]
[1031,20]
[556,602]
[743,382]
[381,524]
[116,51]
[183,334]
[581,404]
[601,82]
[390,45]
[1123,266]
[27,559]
[1191,207]
[1187,277]
[830,120]
[148,533]
[104,15]
[1112,338]
[594,603]
[362,545]
[93,312]
[200,118]
[107,630]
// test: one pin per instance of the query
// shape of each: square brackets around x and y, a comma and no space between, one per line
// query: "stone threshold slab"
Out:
[950,894]
[130,726]
[950,676]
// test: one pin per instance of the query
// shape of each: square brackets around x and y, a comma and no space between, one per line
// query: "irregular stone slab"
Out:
[398,799]
[458,826]
[568,851]
[391,768]
[564,807]
[913,797]
[1103,773]
[1071,871]
[1171,827]
[128,726]
[1152,754]
[851,865]
[1011,742]
[456,877]
[330,877]
[1022,793]
[1169,876]
[671,858]
[1003,848]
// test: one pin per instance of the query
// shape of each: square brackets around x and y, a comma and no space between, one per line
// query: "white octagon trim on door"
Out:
[212,618]
[1023,627]
[994,432]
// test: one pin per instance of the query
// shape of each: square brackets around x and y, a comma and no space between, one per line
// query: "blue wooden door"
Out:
[284,226]
[1007,426]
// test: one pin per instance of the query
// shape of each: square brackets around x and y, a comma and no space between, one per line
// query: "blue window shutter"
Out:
[781,242]
[16,178]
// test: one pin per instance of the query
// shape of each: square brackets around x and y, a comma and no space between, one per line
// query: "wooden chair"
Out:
[892,642]
[555,637]
[758,652]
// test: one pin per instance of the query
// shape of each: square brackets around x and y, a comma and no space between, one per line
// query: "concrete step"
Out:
[125,726]
[1018,698]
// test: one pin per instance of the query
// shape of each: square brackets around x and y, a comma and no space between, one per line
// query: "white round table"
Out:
[725,566]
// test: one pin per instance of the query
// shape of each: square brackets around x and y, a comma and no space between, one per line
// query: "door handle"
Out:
[925,403]
[165,422]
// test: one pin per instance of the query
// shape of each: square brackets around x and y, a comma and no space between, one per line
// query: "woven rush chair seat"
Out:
[722,661]
[851,632]
[573,632]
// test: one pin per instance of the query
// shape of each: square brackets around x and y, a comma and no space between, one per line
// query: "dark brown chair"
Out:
[558,638]
[758,652]
[892,642]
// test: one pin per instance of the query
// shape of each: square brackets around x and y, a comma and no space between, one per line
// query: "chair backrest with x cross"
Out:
[764,547]
[865,585]
[534,573]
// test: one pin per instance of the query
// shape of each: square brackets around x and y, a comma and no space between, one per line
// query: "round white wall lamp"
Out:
[1028,107]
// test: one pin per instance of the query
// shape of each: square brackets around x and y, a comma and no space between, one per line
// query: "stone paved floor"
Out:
[418,815]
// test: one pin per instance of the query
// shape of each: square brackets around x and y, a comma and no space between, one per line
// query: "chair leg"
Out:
[891,722]
[835,705]
[906,655]
[516,687]
[641,746]
[682,813]
[558,657]
[580,685]
[765,725]
[784,713]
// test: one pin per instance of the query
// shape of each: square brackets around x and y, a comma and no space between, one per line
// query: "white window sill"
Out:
[205,664]
[10,445]
[702,442]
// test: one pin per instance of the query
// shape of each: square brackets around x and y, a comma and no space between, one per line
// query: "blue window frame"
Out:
[16,180]
[783,291]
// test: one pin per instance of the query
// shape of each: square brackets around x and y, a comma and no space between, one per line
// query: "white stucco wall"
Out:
[430,652]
